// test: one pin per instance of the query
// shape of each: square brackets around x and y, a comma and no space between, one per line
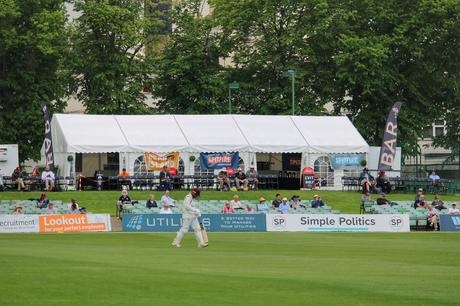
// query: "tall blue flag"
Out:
[388,149]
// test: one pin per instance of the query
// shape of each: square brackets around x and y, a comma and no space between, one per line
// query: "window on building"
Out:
[241,164]
[324,171]
[140,167]
[439,128]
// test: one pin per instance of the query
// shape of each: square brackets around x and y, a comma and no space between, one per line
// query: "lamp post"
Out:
[235,86]
[292,73]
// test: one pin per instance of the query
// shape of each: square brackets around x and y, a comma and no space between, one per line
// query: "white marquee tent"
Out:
[205,133]
[132,135]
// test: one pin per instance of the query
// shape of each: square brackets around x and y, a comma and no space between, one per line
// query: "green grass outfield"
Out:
[104,201]
[237,269]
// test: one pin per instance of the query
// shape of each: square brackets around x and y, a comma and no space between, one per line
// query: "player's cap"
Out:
[383,194]
[239,169]
[316,196]
[251,166]
[420,189]
[261,199]
[224,169]
[196,191]
[284,199]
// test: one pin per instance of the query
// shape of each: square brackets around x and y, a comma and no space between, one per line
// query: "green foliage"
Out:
[398,50]
[267,38]
[33,45]
[189,77]
[111,66]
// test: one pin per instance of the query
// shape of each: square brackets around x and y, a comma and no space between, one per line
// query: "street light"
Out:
[291,73]
[235,86]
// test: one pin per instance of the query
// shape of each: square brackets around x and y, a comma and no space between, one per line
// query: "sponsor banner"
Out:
[48,140]
[74,223]
[156,161]
[219,160]
[326,223]
[388,149]
[18,223]
[347,161]
[212,222]
[450,223]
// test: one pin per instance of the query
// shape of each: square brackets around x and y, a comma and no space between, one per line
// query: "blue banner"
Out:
[219,160]
[212,222]
[347,161]
[450,223]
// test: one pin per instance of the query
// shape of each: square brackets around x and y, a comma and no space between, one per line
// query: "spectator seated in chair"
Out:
[235,202]
[125,182]
[48,178]
[18,211]
[241,179]
[277,201]
[18,178]
[50,210]
[284,206]
[383,182]
[123,200]
[421,202]
[433,217]
[165,179]
[382,200]
[249,209]
[166,209]
[74,209]
[262,206]
[228,209]
[453,210]
[317,202]
[166,198]
[295,202]
[151,203]
[434,178]
[437,203]
[224,180]
[43,201]
[366,181]
[251,175]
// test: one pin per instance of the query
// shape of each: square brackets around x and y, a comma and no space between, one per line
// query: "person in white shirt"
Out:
[235,202]
[434,177]
[48,178]
[166,209]
[166,198]
[50,210]
[73,208]
[190,215]
[433,217]
[453,210]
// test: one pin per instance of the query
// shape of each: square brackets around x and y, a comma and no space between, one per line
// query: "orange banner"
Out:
[155,161]
[73,223]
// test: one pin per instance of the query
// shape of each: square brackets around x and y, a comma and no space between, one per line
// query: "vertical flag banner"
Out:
[48,140]
[155,161]
[388,149]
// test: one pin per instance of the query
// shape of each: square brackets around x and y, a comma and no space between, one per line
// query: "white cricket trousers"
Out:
[187,221]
